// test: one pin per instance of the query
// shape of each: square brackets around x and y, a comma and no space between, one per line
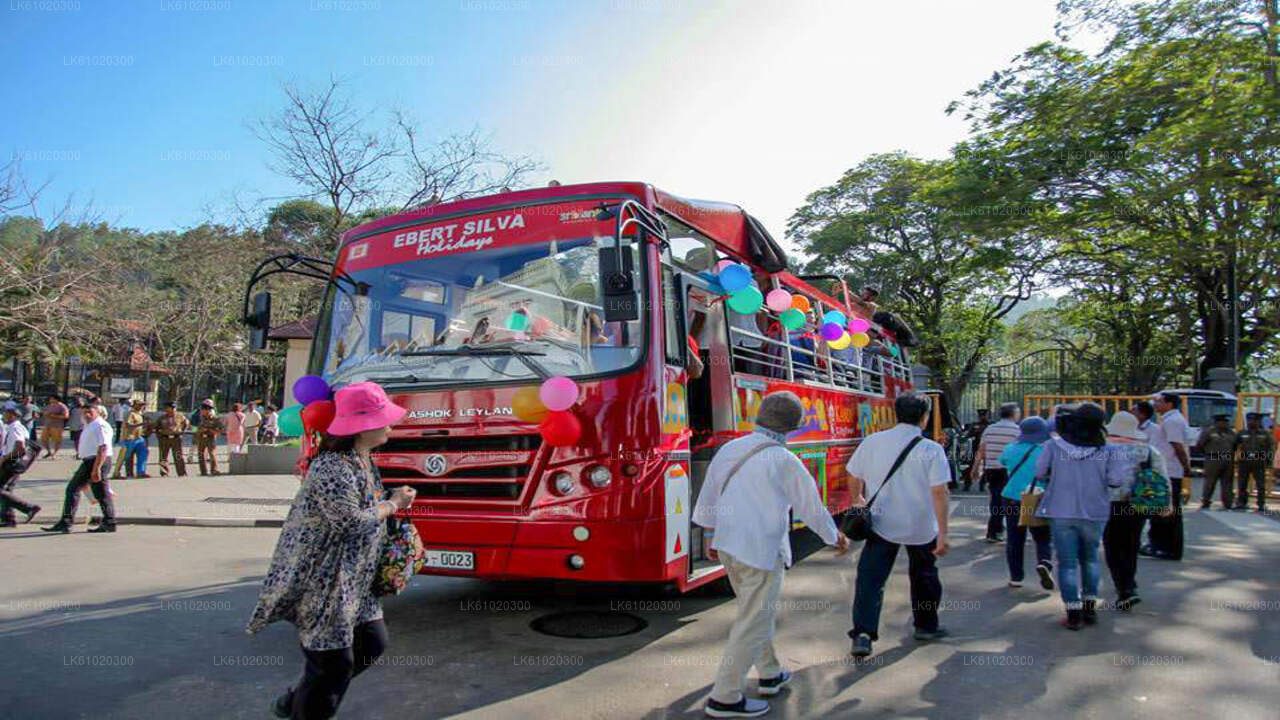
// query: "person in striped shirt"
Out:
[994,475]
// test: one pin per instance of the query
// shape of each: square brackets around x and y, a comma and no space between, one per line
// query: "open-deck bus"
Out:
[611,278]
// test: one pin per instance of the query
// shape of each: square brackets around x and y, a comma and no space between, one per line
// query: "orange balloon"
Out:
[801,303]
[526,405]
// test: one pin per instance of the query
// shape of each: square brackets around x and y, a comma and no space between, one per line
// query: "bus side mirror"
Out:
[621,301]
[259,321]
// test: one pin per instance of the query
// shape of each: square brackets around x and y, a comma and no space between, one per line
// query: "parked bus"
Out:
[612,279]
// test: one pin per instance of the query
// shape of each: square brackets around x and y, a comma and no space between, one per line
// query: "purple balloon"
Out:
[310,388]
[832,331]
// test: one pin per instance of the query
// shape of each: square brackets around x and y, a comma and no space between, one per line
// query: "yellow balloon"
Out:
[841,342]
[860,340]
[527,406]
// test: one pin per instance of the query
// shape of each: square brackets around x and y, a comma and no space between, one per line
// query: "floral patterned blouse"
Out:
[321,577]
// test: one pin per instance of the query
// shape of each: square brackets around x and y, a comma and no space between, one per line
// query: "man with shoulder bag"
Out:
[906,477]
[752,486]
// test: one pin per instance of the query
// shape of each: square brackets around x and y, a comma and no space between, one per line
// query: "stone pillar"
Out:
[1222,379]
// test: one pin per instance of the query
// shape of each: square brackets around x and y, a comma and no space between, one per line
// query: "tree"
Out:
[332,151]
[1157,158]
[912,227]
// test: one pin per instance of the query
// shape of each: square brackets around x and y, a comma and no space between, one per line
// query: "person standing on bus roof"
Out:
[751,486]
[912,511]
[1170,438]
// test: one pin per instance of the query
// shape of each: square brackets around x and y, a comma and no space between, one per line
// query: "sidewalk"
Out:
[222,500]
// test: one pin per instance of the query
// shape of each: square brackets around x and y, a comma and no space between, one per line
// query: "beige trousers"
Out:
[751,638]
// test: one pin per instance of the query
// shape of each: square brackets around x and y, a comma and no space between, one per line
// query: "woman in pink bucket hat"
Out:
[322,574]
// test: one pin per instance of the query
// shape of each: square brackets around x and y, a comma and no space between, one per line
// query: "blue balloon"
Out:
[834,316]
[735,277]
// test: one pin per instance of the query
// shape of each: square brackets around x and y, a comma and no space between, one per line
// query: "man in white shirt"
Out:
[1170,439]
[750,486]
[93,448]
[994,475]
[119,414]
[15,441]
[252,421]
[912,511]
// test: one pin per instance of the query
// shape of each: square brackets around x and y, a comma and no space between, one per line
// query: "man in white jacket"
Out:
[750,486]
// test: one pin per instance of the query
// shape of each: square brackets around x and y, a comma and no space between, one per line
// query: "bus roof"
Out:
[727,224]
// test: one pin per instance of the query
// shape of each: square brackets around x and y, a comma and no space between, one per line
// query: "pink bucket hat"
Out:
[363,406]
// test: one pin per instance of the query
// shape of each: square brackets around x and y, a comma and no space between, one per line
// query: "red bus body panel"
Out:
[629,426]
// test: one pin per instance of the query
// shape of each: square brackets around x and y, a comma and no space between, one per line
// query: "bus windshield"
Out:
[504,296]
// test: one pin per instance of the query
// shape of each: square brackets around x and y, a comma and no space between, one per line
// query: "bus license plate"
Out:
[451,560]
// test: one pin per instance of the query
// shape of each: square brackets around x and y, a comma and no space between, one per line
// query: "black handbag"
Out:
[857,521]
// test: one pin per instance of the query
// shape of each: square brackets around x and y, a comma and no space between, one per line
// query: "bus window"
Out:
[674,338]
[690,250]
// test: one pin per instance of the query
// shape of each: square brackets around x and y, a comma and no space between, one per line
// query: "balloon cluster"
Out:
[838,330]
[313,413]
[550,405]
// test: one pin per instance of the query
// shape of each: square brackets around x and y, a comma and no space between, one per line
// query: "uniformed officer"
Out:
[1218,443]
[1257,448]
[207,432]
[169,430]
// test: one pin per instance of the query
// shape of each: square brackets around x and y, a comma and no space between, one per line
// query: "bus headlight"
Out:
[600,476]
[563,483]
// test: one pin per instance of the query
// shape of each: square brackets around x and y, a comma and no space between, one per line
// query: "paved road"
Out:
[147,623]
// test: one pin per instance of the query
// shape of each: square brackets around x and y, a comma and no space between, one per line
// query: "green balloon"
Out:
[746,300]
[290,421]
[517,321]
[791,319]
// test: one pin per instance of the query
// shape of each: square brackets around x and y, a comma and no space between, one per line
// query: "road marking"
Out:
[1256,527]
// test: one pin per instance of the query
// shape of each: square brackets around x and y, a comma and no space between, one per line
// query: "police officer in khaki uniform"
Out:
[1218,443]
[169,430]
[1257,448]
[207,432]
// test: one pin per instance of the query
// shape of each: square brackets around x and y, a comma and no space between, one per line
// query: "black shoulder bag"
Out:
[857,521]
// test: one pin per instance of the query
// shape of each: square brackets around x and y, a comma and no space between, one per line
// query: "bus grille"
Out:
[502,482]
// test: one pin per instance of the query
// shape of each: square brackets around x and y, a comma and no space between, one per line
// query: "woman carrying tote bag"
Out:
[327,558]
[1020,456]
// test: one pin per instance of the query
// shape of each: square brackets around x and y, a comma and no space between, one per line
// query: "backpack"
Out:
[1150,490]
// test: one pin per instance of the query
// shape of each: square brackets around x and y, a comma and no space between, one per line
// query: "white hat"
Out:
[1125,424]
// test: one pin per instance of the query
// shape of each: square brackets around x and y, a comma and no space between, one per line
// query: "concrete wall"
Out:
[295,366]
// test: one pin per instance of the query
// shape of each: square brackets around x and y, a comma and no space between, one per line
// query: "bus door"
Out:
[710,396]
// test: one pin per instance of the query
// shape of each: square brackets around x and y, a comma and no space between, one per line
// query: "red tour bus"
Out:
[612,279]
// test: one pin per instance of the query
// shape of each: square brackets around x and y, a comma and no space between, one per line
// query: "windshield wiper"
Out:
[524,356]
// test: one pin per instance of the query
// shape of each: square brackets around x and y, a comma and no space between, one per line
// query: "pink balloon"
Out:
[778,300]
[541,324]
[857,325]
[724,264]
[558,393]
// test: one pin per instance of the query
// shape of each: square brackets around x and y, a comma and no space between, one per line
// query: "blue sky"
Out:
[144,107]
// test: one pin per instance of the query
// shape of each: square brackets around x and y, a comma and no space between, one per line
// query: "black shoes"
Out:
[282,707]
[1125,603]
[746,707]
[1045,571]
[9,523]
[774,685]
[32,513]
[1074,620]
[58,527]
[1090,612]
[861,645]
[930,635]
[104,528]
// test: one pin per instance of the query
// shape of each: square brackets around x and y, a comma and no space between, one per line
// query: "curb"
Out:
[175,521]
